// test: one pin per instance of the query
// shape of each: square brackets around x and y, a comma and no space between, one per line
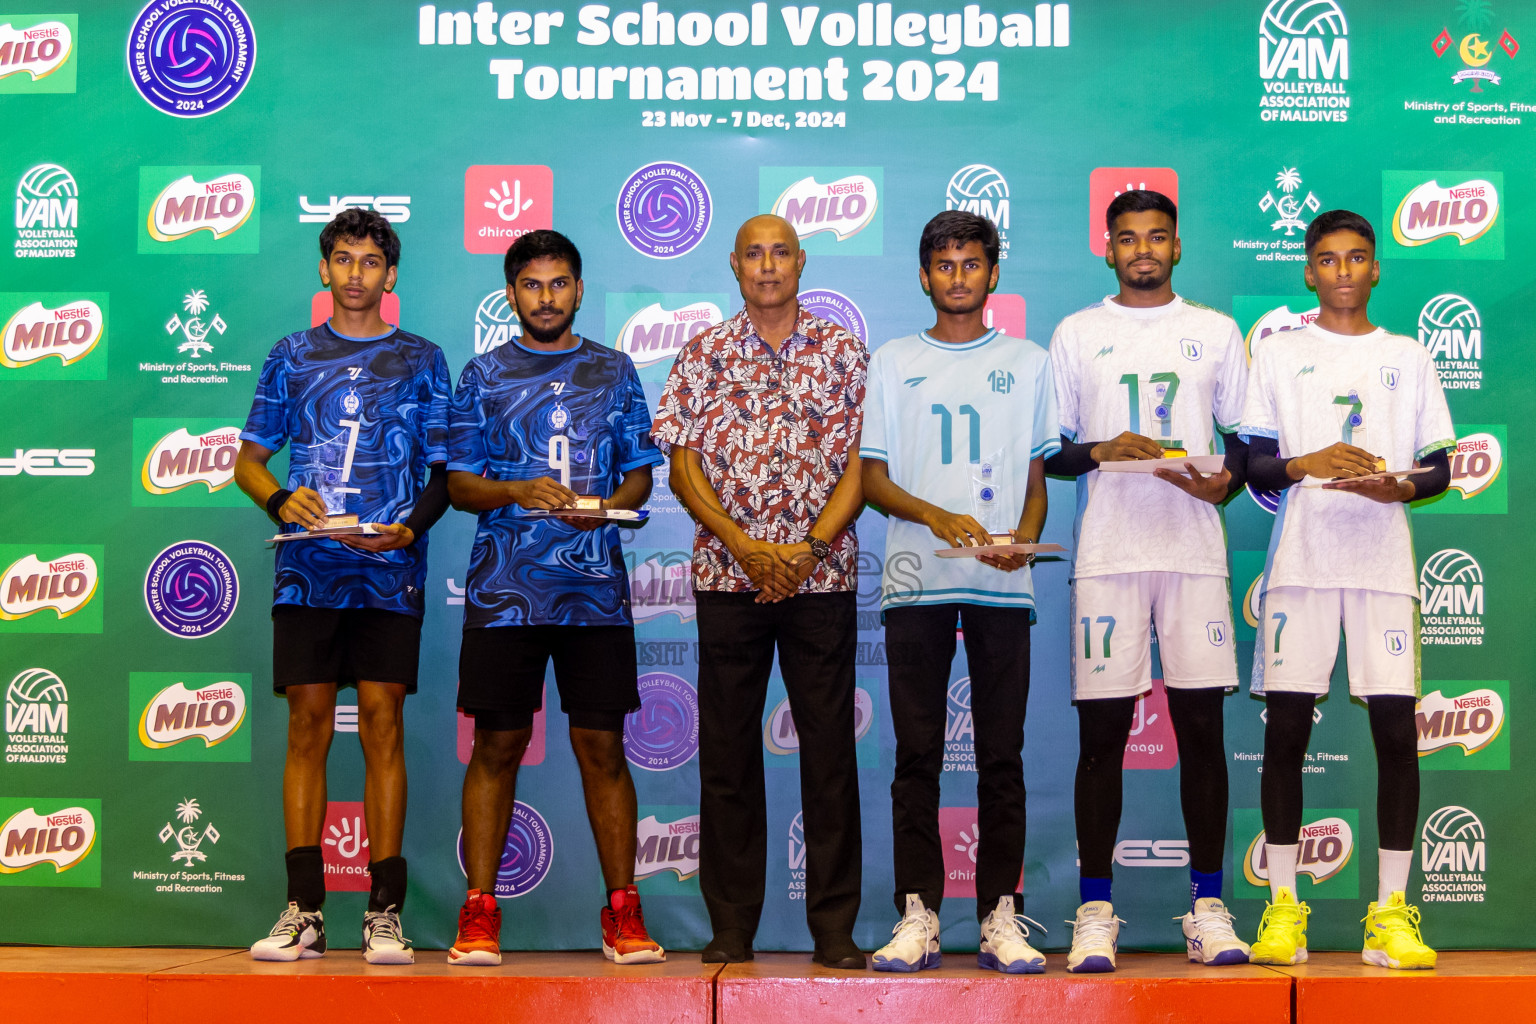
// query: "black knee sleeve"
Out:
[1102,729]
[306,877]
[1397,769]
[386,884]
[1198,727]
[1287,731]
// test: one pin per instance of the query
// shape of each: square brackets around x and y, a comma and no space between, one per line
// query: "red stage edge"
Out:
[162,986]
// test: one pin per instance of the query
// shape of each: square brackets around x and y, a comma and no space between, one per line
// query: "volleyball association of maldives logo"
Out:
[526,858]
[664,733]
[838,308]
[664,210]
[37,331]
[190,58]
[191,589]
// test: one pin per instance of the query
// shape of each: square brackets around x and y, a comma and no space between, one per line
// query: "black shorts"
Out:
[343,645]
[501,674]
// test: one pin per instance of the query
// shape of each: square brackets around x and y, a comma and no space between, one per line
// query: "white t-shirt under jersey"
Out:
[938,414]
[1117,368]
[1378,391]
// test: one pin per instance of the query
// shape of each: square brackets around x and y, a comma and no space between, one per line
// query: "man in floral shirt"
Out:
[760,418]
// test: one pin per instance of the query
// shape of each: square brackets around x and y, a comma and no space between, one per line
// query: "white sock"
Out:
[1282,867]
[1392,873]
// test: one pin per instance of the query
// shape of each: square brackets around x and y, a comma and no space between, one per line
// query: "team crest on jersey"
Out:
[1390,375]
[351,402]
[559,416]
[1001,381]
[1397,641]
[1191,349]
[1216,633]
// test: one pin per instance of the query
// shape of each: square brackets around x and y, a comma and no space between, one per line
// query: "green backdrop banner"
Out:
[172,166]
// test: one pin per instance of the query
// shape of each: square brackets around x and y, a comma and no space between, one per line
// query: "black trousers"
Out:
[920,645]
[814,635]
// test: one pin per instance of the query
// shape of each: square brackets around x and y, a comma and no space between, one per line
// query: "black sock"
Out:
[387,888]
[306,877]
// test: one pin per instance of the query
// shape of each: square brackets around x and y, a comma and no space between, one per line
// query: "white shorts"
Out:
[1112,619]
[1298,641]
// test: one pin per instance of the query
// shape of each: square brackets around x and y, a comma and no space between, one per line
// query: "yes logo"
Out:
[36,835]
[1458,220]
[189,716]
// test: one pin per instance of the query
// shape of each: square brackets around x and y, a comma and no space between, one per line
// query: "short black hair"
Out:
[1139,200]
[356,223]
[1329,221]
[540,245]
[957,228]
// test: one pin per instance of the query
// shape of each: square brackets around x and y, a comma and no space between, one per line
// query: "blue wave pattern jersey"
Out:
[957,426]
[519,415]
[364,418]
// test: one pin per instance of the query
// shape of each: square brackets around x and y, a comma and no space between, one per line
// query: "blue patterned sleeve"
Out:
[466,445]
[635,445]
[267,425]
[439,409]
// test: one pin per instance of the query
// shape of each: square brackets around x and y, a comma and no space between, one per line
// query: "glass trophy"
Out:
[329,474]
[987,477]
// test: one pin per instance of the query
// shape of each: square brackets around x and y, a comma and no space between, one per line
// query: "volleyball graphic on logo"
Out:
[1302,18]
[974,181]
[191,589]
[664,210]
[664,733]
[190,58]
[1450,824]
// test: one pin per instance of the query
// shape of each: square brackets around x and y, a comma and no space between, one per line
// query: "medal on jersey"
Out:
[986,492]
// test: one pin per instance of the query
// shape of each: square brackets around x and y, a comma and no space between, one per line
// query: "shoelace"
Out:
[1219,921]
[1393,918]
[911,923]
[475,921]
[1095,929]
[1022,923]
[291,921]
[1296,911]
[629,920]
[386,924]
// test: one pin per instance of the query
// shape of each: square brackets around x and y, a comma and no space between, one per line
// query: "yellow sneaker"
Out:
[1392,937]
[1282,932]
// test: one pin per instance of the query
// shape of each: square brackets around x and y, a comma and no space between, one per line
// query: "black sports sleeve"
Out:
[432,503]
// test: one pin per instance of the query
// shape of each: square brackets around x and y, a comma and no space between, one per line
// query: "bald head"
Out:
[766,226]
[767,263]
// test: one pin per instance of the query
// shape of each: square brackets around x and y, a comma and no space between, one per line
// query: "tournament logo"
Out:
[344,847]
[36,50]
[1471,721]
[1151,742]
[1106,183]
[982,190]
[1304,61]
[220,206]
[36,718]
[664,733]
[796,860]
[189,838]
[63,838]
[496,322]
[838,308]
[843,207]
[180,459]
[47,213]
[656,334]
[1453,854]
[959,728]
[1466,211]
[1474,50]
[190,58]
[395,209]
[664,210]
[781,737]
[503,202]
[191,589]
[1152,853]
[1326,846]
[67,333]
[65,585]
[662,846]
[1452,329]
[662,585]
[1451,599]
[527,856]
[176,714]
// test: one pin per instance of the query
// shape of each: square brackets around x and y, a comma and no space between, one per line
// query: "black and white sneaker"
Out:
[296,935]
[383,942]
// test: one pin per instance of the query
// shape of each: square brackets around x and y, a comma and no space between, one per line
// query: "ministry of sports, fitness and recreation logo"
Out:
[212,710]
[1451,328]
[664,733]
[36,718]
[194,329]
[67,331]
[1474,44]
[1106,183]
[1289,207]
[395,209]
[1458,220]
[503,202]
[1451,599]
[981,189]
[781,737]
[1325,848]
[35,51]
[1304,61]
[64,585]
[63,835]
[181,459]
[664,210]
[1471,721]
[838,308]
[1453,854]
[662,846]
[496,322]
[834,210]
[188,835]
[657,331]
[190,58]
[47,213]
[191,589]
[526,858]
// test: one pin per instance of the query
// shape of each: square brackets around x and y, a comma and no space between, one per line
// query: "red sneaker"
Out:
[479,940]
[625,940]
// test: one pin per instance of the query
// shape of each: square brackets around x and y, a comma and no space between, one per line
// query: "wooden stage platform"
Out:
[175,986]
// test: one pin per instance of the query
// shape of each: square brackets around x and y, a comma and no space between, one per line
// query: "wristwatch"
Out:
[820,549]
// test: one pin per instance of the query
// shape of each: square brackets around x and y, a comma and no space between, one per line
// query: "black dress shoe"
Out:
[728,947]
[840,954]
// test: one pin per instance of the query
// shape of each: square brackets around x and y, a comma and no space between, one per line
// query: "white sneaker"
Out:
[914,944]
[1209,937]
[1095,935]
[296,935]
[383,942]
[1004,942]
